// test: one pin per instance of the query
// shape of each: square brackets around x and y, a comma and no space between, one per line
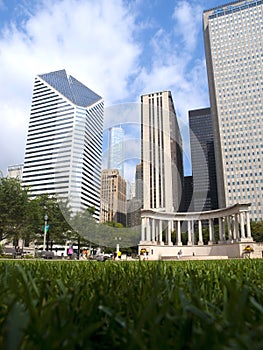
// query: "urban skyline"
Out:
[149,33]
[219,12]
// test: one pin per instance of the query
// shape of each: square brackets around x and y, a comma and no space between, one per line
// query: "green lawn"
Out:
[131,305]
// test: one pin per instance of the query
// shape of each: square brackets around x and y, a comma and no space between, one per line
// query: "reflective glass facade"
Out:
[116,151]
[203,160]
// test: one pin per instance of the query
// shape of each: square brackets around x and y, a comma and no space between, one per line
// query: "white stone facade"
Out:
[233,45]
[157,228]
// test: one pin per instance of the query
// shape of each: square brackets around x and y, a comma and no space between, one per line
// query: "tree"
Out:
[257,230]
[58,213]
[13,209]
[23,218]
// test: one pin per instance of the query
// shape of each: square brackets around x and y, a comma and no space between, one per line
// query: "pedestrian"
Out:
[70,252]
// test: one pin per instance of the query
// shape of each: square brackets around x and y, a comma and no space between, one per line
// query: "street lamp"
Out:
[117,245]
[45,231]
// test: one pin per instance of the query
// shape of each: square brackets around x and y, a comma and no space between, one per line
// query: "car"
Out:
[102,257]
[46,254]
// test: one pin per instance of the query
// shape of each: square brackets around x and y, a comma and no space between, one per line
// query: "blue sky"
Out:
[119,49]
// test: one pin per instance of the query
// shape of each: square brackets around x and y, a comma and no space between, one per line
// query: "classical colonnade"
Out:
[236,218]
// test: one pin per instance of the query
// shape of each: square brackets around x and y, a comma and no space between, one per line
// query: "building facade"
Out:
[234,56]
[139,182]
[162,164]
[187,203]
[64,143]
[115,149]
[15,171]
[113,197]
[203,160]
[134,206]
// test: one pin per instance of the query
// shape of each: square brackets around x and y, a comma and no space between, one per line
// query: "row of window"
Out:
[244,175]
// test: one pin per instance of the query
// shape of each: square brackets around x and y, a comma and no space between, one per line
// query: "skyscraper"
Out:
[203,160]
[64,143]
[234,56]
[113,197]
[115,146]
[161,153]
[139,182]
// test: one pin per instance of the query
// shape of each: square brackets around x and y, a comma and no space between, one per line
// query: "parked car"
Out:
[46,254]
[102,257]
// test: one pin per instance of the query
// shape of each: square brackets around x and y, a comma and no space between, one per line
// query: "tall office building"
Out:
[113,197]
[187,203]
[139,182]
[64,143]
[234,56]
[133,212]
[161,152]
[203,160]
[132,190]
[115,147]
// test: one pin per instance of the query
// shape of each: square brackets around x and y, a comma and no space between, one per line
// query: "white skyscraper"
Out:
[234,55]
[162,164]
[64,143]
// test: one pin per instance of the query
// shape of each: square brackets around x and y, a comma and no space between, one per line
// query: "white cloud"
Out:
[92,40]
[187,17]
[100,43]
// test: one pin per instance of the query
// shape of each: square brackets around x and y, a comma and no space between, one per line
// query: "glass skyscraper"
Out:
[203,160]
[115,145]
[64,143]
[234,55]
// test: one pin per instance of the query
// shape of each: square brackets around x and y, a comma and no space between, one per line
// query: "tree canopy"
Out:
[22,217]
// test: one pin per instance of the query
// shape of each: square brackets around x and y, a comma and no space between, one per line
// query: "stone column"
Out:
[161,232]
[193,231]
[148,230]
[248,225]
[236,232]
[153,231]
[223,230]
[211,232]
[172,226]
[220,221]
[169,239]
[229,225]
[200,233]
[242,226]
[179,238]
[189,241]
[143,230]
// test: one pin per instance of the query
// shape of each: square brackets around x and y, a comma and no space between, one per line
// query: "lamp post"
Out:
[45,231]
[117,246]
